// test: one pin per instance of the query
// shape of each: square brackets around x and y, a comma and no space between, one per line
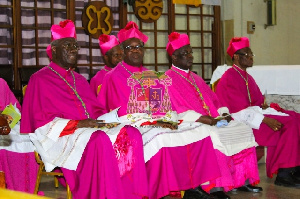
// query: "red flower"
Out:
[130,25]
[276,107]
[64,23]
[173,36]
[104,38]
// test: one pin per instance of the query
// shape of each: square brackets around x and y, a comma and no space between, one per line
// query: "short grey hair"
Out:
[55,42]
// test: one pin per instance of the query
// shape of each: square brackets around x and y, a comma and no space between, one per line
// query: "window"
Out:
[25,34]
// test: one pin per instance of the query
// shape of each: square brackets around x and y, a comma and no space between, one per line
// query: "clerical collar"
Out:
[59,69]
[106,68]
[186,71]
[133,68]
[237,67]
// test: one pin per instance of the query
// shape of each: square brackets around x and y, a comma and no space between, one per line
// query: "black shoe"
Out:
[250,188]
[296,175]
[287,182]
[197,194]
[220,195]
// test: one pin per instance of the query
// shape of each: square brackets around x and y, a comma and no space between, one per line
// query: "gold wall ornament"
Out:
[97,19]
[148,11]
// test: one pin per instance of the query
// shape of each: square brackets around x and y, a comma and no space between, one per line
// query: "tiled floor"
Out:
[270,190]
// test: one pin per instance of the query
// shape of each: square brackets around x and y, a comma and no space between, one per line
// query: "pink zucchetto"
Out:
[107,42]
[176,41]
[131,30]
[236,44]
[63,30]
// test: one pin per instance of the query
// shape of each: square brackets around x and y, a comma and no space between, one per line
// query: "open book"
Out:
[12,115]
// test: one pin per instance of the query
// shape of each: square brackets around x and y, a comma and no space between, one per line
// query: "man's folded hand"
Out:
[4,126]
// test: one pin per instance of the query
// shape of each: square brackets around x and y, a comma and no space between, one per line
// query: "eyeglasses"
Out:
[116,55]
[185,54]
[70,46]
[138,47]
[246,54]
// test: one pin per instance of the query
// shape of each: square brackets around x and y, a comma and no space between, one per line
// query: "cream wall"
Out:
[275,45]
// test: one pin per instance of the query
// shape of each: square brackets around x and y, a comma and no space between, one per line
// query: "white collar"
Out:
[187,71]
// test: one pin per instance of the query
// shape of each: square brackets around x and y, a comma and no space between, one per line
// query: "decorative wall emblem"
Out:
[148,11]
[97,19]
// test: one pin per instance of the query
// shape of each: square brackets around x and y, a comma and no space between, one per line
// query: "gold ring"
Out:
[276,129]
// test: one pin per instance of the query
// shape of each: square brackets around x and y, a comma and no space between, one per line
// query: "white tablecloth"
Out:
[275,79]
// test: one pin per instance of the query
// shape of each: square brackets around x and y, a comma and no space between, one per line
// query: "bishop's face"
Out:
[114,56]
[133,52]
[245,57]
[66,52]
[183,57]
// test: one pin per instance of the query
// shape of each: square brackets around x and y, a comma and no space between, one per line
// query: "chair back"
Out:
[2,180]
[98,89]
[24,90]
[214,85]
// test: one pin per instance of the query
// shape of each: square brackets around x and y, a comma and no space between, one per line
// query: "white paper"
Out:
[110,117]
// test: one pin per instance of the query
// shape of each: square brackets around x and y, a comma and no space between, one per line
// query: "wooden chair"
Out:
[214,85]
[98,89]
[182,193]
[42,171]
[2,180]
[24,89]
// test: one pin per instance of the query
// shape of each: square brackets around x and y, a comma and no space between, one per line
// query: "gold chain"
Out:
[197,89]
[246,81]
[74,89]
[140,82]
